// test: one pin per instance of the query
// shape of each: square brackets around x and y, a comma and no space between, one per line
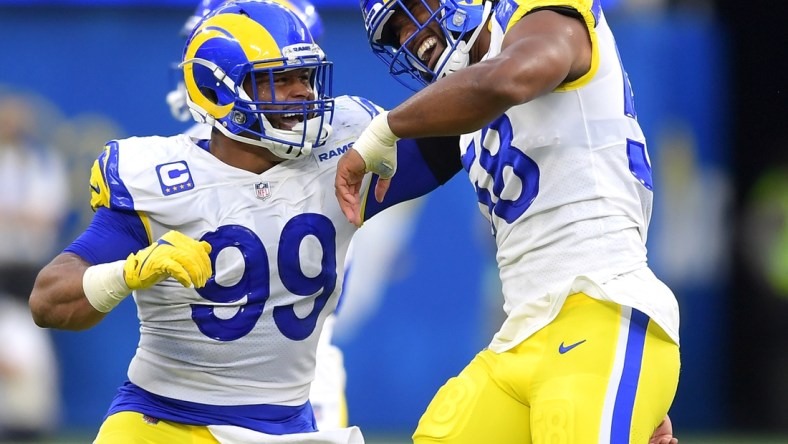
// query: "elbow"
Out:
[49,315]
[57,300]
[505,94]
[37,304]
[45,309]
[39,310]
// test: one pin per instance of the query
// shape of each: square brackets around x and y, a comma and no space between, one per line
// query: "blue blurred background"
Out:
[711,106]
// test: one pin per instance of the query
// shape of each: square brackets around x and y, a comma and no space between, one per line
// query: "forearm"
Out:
[58,299]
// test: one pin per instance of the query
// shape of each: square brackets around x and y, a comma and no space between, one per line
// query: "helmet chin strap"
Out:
[283,150]
[311,132]
[454,59]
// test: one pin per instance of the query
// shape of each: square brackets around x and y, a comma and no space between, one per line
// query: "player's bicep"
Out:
[541,52]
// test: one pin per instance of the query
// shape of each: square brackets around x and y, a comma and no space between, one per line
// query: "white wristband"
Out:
[104,285]
[377,146]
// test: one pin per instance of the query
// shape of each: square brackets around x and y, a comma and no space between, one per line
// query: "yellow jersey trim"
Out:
[584,9]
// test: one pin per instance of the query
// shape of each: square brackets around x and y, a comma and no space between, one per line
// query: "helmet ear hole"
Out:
[209,94]
[210,88]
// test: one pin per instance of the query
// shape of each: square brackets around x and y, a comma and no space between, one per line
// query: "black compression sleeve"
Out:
[442,156]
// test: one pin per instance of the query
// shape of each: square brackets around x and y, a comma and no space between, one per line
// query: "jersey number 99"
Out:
[255,283]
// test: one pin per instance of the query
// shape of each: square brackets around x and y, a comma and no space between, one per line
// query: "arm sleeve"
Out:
[441,155]
[111,236]
[422,166]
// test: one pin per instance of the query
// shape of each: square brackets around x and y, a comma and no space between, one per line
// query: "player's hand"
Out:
[347,185]
[173,255]
[664,433]
[376,147]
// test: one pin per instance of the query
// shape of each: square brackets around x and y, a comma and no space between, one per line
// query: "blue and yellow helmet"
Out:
[307,12]
[253,41]
[304,9]
[459,20]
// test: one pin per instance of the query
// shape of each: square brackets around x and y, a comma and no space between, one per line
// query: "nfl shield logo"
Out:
[262,190]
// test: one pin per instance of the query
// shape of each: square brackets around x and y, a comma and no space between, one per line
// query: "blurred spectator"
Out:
[34,197]
[692,224]
[765,225]
[29,398]
[80,138]
[33,201]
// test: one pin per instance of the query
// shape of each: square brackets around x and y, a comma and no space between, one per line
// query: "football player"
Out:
[232,246]
[589,351]
[327,392]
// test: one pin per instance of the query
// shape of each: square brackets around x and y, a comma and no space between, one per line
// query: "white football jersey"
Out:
[278,245]
[565,182]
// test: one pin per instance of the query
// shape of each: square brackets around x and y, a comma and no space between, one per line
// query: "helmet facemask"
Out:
[459,22]
[216,90]
[291,123]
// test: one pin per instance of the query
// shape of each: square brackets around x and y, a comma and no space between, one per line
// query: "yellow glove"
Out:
[173,255]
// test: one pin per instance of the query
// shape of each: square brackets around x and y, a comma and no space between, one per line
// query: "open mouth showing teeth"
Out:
[289,120]
[424,53]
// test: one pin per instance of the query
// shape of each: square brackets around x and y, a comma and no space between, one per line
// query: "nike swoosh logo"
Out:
[563,349]
[95,189]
